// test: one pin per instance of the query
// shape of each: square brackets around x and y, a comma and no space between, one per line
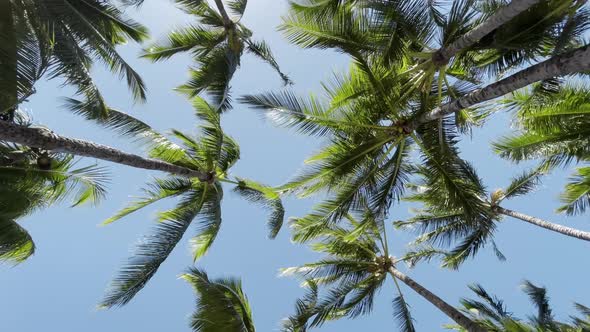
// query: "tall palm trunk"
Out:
[545,224]
[8,61]
[226,20]
[499,18]
[47,140]
[443,306]
[575,61]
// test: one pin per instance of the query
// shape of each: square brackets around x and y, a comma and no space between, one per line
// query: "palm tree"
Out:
[214,153]
[475,39]
[490,312]
[31,179]
[554,127]
[394,99]
[217,43]
[439,225]
[221,304]
[369,156]
[356,265]
[62,39]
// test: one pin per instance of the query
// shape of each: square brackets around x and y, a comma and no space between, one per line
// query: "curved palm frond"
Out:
[221,304]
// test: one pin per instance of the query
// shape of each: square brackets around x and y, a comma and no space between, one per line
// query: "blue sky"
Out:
[58,289]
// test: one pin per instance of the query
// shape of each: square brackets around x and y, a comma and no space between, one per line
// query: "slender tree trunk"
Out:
[545,224]
[226,20]
[571,62]
[8,61]
[48,140]
[499,18]
[443,306]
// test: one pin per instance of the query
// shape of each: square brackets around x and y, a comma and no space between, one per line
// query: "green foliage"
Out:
[221,304]
[576,196]
[63,39]
[25,188]
[198,200]
[491,313]
[216,48]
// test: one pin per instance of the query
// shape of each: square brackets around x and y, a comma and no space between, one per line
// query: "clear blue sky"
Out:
[58,289]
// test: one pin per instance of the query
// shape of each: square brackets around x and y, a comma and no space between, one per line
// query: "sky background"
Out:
[58,288]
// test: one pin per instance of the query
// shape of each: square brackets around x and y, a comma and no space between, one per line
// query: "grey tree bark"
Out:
[501,17]
[545,224]
[443,306]
[48,140]
[575,61]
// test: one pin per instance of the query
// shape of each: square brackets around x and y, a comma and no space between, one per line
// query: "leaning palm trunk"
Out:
[226,20]
[48,140]
[568,63]
[499,18]
[443,306]
[8,59]
[545,224]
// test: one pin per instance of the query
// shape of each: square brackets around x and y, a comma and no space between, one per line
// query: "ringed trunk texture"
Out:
[499,18]
[545,224]
[443,306]
[8,60]
[47,140]
[571,62]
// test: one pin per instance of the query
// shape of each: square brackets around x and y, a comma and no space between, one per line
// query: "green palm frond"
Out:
[221,304]
[197,40]
[576,197]
[63,39]
[238,7]
[340,29]
[154,249]
[491,307]
[263,51]
[267,198]
[208,221]
[304,310]
[538,295]
[216,47]
[213,76]
[491,313]
[16,245]
[402,314]
[523,183]
[156,191]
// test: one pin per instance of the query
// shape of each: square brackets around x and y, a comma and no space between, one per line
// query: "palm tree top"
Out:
[217,43]
[198,200]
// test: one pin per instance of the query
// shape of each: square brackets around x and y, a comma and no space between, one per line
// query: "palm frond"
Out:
[263,51]
[153,250]
[402,314]
[576,197]
[156,191]
[16,245]
[221,304]
[267,198]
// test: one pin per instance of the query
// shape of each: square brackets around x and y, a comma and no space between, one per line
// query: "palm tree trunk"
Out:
[443,306]
[8,60]
[499,18]
[46,139]
[226,20]
[545,224]
[571,62]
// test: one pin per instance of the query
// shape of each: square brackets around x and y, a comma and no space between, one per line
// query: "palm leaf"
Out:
[221,304]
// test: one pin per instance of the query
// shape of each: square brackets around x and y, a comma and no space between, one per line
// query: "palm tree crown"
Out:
[63,38]
[492,313]
[213,153]
[217,43]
